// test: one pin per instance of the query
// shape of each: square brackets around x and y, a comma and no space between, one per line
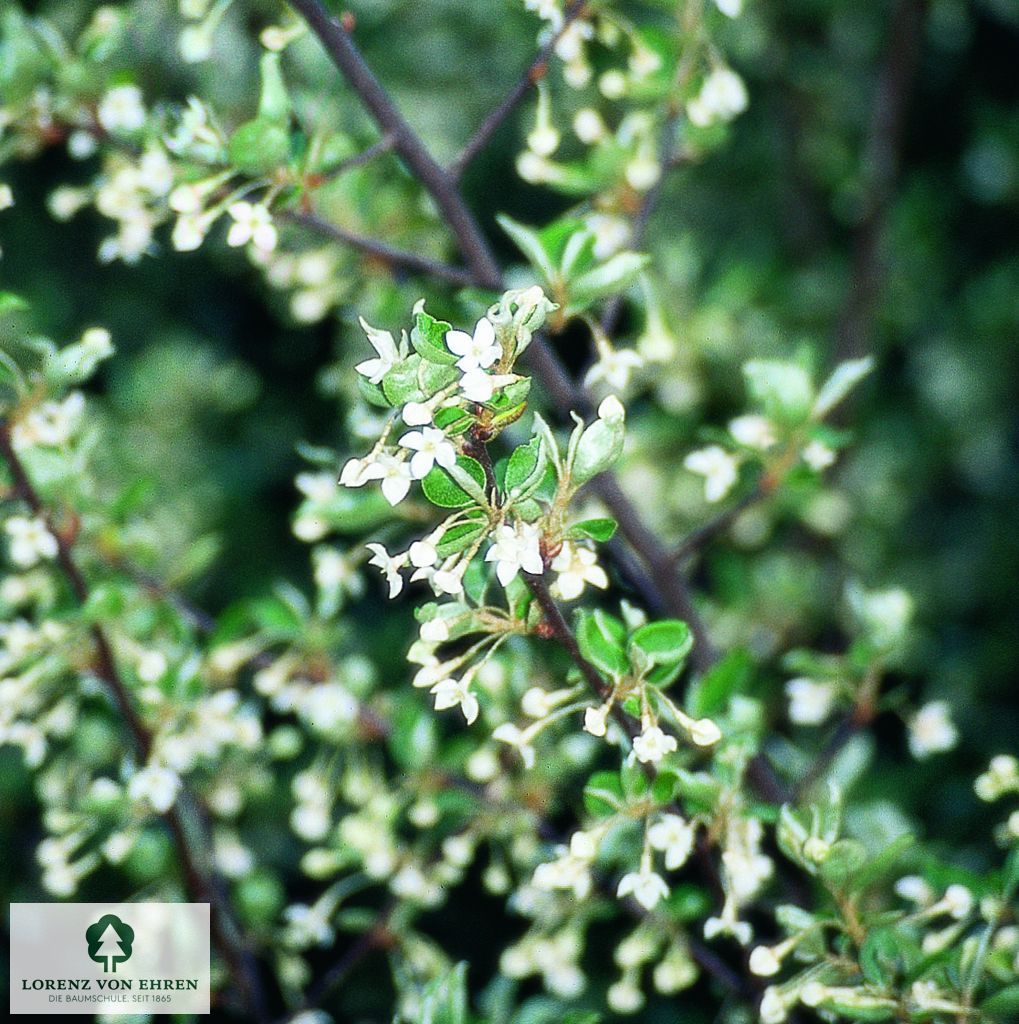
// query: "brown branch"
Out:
[200,878]
[881,161]
[537,70]
[388,254]
[436,181]
[383,145]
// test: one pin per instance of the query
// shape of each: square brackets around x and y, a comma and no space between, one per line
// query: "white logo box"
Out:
[109,958]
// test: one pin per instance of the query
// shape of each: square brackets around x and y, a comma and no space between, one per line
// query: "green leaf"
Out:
[528,242]
[710,694]
[444,1000]
[525,468]
[428,336]
[372,393]
[611,278]
[600,530]
[274,102]
[784,390]
[11,303]
[460,536]
[400,383]
[663,643]
[259,146]
[844,859]
[1004,1004]
[845,377]
[603,794]
[601,638]
[442,490]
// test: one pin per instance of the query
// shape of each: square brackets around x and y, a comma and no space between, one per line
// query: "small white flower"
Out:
[718,468]
[479,351]
[189,231]
[122,109]
[675,836]
[430,446]
[390,566]
[753,431]
[6,196]
[577,566]
[156,785]
[353,473]
[773,1009]
[931,730]
[422,554]
[388,353]
[818,456]
[477,386]
[516,548]
[722,96]
[417,414]
[394,474]
[614,367]
[451,693]
[588,126]
[730,8]
[31,541]
[434,631]
[810,702]
[958,901]
[449,580]
[595,721]
[252,222]
[508,733]
[646,886]
[763,962]
[653,744]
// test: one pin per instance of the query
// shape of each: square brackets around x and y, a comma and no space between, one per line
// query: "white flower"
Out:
[718,468]
[394,474]
[722,96]
[675,836]
[931,730]
[121,109]
[155,172]
[958,901]
[477,386]
[818,456]
[588,126]
[449,580]
[730,8]
[156,785]
[763,962]
[810,702]
[422,554]
[252,222]
[388,353]
[51,424]
[189,231]
[614,367]
[624,996]
[429,446]
[915,889]
[519,739]
[353,473]
[753,431]
[451,693]
[646,886]
[434,631]
[653,744]
[610,234]
[31,541]
[516,548]
[417,414]
[477,352]
[390,566]
[773,1009]
[594,721]
[576,567]
[6,197]
[152,666]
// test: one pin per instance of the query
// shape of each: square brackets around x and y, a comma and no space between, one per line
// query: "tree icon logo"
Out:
[109,942]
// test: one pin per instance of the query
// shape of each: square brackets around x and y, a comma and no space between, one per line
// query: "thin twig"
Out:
[537,70]
[383,145]
[704,534]
[200,877]
[439,185]
[397,258]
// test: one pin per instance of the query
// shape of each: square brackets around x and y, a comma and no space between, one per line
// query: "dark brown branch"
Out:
[881,162]
[397,258]
[439,185]
[537,70]
[200,878]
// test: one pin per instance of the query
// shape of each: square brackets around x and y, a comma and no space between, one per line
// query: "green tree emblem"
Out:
[109,942]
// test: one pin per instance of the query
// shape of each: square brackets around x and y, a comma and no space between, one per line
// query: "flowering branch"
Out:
[182,817]
[537,70]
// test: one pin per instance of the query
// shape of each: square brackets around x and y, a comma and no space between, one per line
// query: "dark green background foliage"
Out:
[820,191]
